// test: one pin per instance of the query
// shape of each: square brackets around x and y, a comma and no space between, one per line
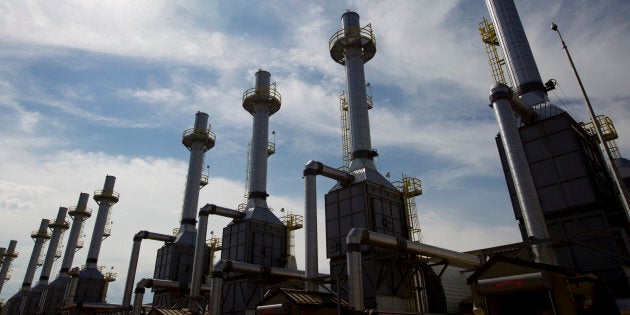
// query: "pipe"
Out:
[79,214]
[518,54]
[8,256]
[197,271]
[357,237]
[40,237]
[133,261]
[198,141]
[58,227]
[521,109]
[311,169]
[524,186]
[137,301]
[224,212]
[105,199]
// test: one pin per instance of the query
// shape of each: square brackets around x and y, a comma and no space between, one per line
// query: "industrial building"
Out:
[566,197]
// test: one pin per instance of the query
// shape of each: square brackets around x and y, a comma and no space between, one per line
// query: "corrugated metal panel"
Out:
[318,298]
[455,287]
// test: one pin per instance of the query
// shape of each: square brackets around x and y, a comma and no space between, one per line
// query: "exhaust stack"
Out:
[519,58]
[352,47]
[8,257]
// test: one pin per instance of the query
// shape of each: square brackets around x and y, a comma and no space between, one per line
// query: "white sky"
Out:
[90,88]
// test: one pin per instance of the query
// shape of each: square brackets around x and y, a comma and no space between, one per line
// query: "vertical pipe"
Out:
[526,193]
[357,97]
[131,272]
[310,229]
[519,58]
[197,146]
[105,199]
[40,238]
[58,226]
[215,290]
[79,214]
[9,255]
[355,281]
[71,290]
[137,300]
[197,272]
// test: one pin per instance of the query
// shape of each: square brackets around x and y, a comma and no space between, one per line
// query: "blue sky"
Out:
[90,88]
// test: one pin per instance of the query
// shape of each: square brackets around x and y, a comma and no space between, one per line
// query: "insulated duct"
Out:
[311,169]
[524,186]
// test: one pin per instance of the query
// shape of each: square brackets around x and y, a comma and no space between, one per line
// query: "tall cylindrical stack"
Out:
[31,301]
[8,256]
[352,47]
[519,58]
[40,236]
[197,140]
[92,285]
[53,295]
[261,102]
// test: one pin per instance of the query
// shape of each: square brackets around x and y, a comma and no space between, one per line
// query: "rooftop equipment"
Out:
[40,237]
[30,302]
[7,258]
[53,295]
[175,259]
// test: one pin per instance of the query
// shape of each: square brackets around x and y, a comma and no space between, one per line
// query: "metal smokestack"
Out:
[197,140]
[58,227]
[353,46]
[105,198]
[40,236]
[261,101]
[519,58]
[79,214]
[8,257]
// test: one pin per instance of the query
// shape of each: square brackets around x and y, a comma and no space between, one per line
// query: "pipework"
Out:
[133,261]
[311,170]
[524,186]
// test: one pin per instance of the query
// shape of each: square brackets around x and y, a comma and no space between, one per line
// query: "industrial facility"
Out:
[567,180]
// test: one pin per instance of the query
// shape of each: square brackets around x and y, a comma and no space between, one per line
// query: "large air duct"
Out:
[352,47]
[526,193]
[261,102]
[31,301]
[8,256]
[519,58]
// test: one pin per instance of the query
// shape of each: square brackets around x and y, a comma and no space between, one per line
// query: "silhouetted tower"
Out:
[40,237]
[53,295]
[8,256]
[58,226]
[91,285]
[175,260]
[260,237]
